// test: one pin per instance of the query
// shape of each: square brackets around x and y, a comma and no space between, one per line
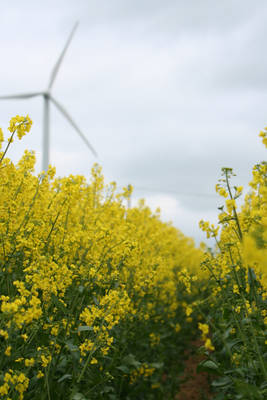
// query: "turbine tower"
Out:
[47,98]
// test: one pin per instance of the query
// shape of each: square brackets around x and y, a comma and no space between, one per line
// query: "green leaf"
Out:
[209,366]
[72,347]
[81,288]
[107,389]
[78,396]
[157,365]
[130,360]
[124,369]
[64,377]
[233,343]
[85,328]
[225,381]
[252,278]
[247,389]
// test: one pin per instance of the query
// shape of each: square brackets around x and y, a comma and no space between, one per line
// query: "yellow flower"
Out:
[239,190]
[230,205]
[29,362]
[1,137]
[223,192]
[40,374]
[4,389]
[235,288]
[204,328]
[24,337]
[45,360]
[208,345]
[4,333]
[20,124]
[188,311]
[155,385]
[8,351]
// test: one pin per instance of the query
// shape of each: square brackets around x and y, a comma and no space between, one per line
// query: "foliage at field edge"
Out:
[95,298]
[235,311]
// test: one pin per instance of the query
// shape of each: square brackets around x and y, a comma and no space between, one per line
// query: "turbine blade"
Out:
[68,117]
[59,61]
[20,96]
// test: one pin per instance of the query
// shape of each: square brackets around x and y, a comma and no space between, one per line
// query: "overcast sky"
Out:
[166,91]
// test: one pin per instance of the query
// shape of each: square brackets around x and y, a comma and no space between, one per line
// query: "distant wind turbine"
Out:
[47,97]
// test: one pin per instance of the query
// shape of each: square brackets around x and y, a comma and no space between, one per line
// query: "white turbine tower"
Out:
[47,98]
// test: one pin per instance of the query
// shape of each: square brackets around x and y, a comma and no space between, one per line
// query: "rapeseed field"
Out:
[99,301]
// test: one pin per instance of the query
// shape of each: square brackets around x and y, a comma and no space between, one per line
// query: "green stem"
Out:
[7,147]
[234,209]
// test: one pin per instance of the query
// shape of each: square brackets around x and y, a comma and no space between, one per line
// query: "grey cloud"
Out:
[168,92]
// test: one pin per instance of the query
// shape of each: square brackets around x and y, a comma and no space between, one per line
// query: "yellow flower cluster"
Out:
[14,382]
[263,135]
[238,270]
[143,371]
[21,125]
[1,137]
[205,331]
[76,264]
[154,339]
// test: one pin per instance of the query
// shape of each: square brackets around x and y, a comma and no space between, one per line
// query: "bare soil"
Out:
[194,385]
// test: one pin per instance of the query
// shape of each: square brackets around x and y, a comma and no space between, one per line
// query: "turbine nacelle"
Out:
[47,95]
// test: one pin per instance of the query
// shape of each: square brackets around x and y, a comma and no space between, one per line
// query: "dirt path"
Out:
[194,386]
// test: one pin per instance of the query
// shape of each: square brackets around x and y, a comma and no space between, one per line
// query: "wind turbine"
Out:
[47,98]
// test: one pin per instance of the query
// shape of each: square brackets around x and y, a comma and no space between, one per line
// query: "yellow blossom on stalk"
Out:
[24,337]
[1,137]
[86,346]
[204,328]
[239,191]
[263,135]
[154,339]
[20,124]
[54,330]
[45,360]
[8,351]
[155,385]
[230,205]
[235,288]
[22,384]
[208,345]
[18,380]
[4,389]
[210,230]
[188,311]
[143,371]
[40,374]
[235,358]
[222,192]
[4,333]
[29,362]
